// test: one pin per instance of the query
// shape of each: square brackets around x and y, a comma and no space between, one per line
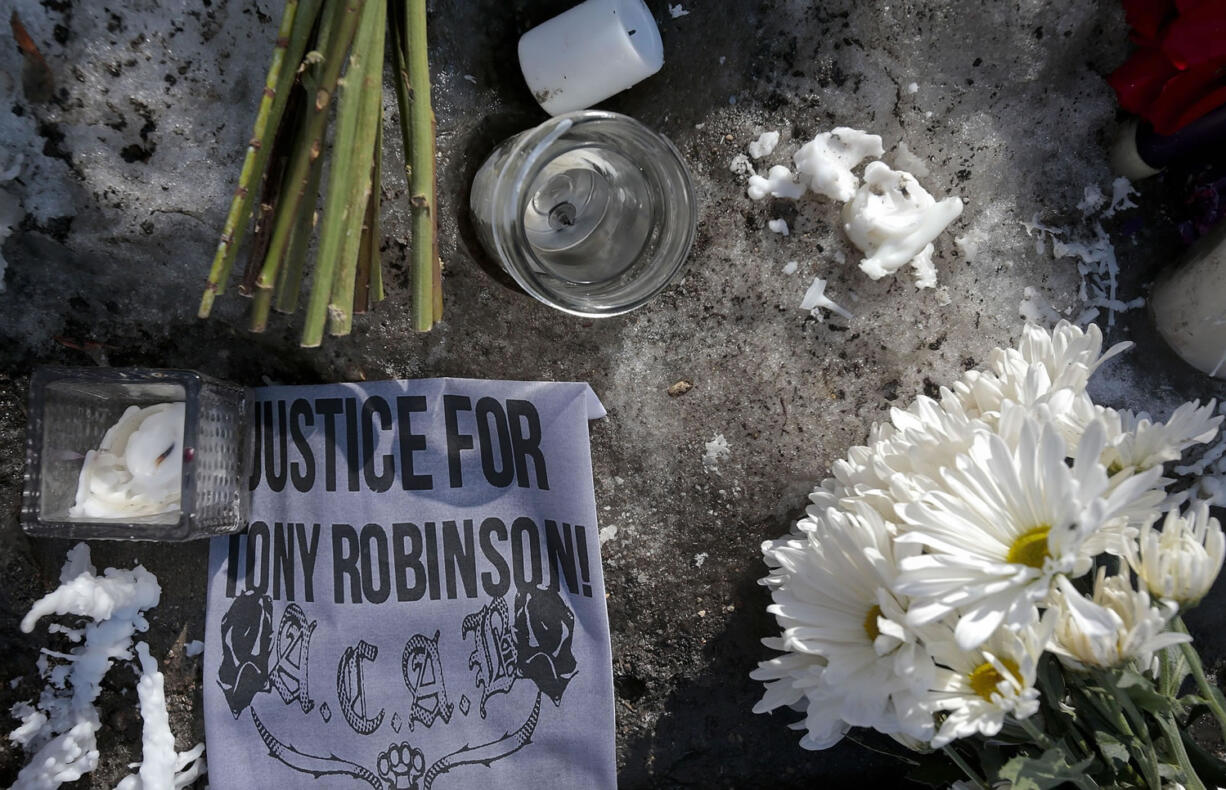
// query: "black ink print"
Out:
[423,675]
[289,677]
[309,763]
[544,630]
[246,649]
[486,753]
[350,693]
[402,766]
[494,656]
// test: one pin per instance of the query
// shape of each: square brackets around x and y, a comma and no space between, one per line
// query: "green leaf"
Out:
[1142,693]
[1049,770]
[1113,750]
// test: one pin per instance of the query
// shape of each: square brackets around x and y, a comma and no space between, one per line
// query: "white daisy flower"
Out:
[1139,442]
[1180,562]
[859,665]
[1006,522]
[980,687]
[1069,353]
[1116,626]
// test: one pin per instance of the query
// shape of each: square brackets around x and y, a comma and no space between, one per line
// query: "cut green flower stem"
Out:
[326,50]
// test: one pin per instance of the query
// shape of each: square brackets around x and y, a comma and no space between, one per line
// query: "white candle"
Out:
[137,469]
[587,54]
[1189,305]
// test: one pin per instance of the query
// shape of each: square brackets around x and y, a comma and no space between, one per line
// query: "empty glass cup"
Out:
[590,212]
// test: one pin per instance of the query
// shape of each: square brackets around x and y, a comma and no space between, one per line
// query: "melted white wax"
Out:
[137,469]
[825,162]
[893,220]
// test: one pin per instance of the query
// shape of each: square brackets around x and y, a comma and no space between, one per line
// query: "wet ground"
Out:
[126,173]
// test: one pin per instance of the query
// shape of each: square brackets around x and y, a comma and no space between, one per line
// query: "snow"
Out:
[790,267]
[700,558]
[676,11]
[779,226]
[764,145]
[607,534]
[816,300]
[61,728]
[715,450]
[913,87]
[905,160]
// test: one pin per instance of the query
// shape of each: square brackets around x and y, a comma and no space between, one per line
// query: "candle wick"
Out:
[165,455]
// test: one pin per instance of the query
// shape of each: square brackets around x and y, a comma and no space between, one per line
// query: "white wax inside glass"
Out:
[585,55]
[137,469]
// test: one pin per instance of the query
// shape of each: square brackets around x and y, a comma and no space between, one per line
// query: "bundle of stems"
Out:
[328,48]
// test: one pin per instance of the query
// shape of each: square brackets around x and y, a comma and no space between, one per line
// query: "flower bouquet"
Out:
[998,574]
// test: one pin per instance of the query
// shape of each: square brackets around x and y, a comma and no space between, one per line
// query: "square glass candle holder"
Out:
[72,408]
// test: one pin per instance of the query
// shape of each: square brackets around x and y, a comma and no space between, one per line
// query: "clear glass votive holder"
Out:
[591,212]
[72,408]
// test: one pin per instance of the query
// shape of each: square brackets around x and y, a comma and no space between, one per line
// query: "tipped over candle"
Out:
[137,469]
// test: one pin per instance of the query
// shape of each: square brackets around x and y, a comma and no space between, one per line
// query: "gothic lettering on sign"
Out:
[289,677]
[349,689]
[423,675]
[493,656]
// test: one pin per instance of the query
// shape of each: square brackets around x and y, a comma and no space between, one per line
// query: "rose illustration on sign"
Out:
[544,630]
[246,650]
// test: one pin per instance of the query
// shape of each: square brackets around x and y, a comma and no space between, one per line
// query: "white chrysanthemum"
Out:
[1006,522]
[1069,353]
[1180,562]
[1139,442]
[1118,625]
[900,460]
[980,687]
[851,657]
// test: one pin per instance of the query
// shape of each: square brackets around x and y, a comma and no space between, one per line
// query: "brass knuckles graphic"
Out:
[402,766]
[349,689]
[289,676]
[423,676]
[494,656]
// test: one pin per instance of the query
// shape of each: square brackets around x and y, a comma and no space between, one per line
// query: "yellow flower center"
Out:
[985,679]
[870,623]
[1030,548]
